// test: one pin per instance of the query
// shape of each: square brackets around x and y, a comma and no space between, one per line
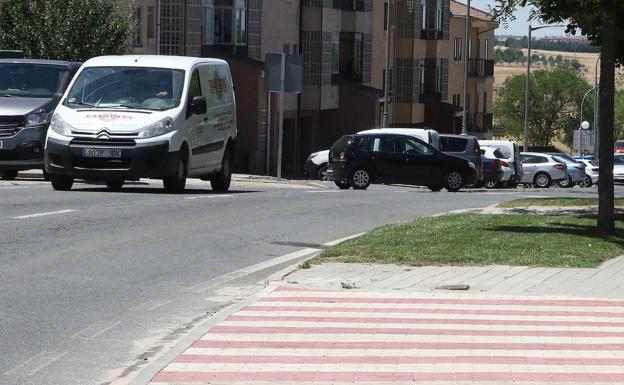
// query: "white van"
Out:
[511,150]
[425,134]
[129,117]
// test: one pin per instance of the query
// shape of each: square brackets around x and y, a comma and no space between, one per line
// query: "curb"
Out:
[146,375]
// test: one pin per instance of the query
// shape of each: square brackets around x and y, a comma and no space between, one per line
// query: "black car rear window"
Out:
[452,144]
[342,143]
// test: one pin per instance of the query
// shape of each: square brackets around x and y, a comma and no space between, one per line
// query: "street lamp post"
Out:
[384,119]
[466,58]
[583,124]
[526,88]
[596,112]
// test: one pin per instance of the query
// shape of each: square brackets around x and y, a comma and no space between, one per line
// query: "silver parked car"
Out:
[576,170]
[618,168]
[541,170]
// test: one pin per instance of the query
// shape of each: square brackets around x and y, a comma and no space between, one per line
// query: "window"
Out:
[335,52]
[485,102]
[151,23]
[439,15]
[412,146]
[453,144]
[351,48]
[386,144]
[386,16]
[138,27]
[225,22]
[487,49]
[194,90]
[469,48]
[457,49]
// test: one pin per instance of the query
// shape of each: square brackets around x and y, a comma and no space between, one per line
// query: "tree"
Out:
[555,97]
[596,19]
[66,29]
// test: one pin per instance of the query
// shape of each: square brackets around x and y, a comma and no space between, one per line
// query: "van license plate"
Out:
[101,153]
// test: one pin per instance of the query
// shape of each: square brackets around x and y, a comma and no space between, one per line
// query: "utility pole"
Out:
[384,119]
[526,93]
[466,59]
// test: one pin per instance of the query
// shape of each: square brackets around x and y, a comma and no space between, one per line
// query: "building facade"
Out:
[343,45]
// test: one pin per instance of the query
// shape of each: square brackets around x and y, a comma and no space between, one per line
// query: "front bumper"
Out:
[310,169]
[140,161]
[24,150]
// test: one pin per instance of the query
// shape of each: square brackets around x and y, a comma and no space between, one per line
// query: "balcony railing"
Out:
[481,68]
[479,121]
[349,5]
[431,34]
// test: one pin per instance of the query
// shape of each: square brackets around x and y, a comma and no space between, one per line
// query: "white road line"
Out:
[96,329]
[34,364]
[324,191]
[212,283]
[208,197]
[45,214]
[150,305]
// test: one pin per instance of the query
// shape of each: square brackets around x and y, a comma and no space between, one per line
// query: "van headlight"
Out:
[59,126]
[161,127]
[37,118]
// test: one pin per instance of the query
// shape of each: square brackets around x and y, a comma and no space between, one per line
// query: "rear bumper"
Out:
[489,176]
[337,173]
[146,161]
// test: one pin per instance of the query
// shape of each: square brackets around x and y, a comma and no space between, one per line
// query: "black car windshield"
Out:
[30,80]
[127,87]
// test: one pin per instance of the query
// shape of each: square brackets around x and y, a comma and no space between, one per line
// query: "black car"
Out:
[359,160]
[29,91]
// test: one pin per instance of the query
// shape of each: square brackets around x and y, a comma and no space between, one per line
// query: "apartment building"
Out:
[427,64]
[343,44]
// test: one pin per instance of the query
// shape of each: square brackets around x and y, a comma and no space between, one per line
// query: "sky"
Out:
[520,25]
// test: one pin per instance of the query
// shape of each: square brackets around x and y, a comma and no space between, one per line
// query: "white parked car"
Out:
[495,153]
[511,150]
[316,165]
[618,168]
[591,169]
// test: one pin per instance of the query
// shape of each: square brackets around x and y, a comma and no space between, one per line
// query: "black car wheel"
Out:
[587,182]
[566,183]
[342,185]
[490,184]
[114,184]
[542,180]
[360,179]
[8,174]
[453,180]
[321,174]
[61,182]
[435,188]
[177,182]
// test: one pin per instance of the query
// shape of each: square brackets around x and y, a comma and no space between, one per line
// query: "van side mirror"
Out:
[198,105]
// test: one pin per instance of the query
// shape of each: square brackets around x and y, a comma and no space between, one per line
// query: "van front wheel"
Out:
[176,183]
[221,181]
[61,182]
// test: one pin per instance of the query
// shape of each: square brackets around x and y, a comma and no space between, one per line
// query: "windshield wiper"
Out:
[11,96]
[83,104]
[135,107]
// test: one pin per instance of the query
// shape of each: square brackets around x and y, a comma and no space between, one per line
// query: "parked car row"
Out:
[427,158]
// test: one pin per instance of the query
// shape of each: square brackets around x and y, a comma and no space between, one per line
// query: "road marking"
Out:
[45,214]
[96,329]
[212,283]
[35,364]
[324,191]
[150,305]
[208,197]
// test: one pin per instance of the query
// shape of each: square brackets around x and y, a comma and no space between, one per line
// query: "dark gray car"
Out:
[463,146]
[29,91]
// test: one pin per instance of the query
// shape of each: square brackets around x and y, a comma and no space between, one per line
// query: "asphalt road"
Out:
[93,283]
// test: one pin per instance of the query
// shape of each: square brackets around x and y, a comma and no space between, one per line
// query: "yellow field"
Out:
[502,71]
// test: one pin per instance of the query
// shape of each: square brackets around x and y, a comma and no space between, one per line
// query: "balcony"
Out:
[480,68]
[479,121]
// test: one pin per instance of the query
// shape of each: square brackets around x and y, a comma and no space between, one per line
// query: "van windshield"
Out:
[26,80]
[127,87]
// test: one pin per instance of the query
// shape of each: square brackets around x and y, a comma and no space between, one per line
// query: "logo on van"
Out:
[218,86]
[106,117]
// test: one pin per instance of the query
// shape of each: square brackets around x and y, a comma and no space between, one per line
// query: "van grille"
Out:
[112,142]
[102,163]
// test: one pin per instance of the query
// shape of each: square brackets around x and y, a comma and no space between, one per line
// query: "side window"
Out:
[216,84]
[411,146]
[452,144]
[541,159]
[363,144]
[387,144]
[527,159]
[195,87]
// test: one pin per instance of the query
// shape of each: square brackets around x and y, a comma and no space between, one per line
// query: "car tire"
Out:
[176,183]
[360,179]
[115,184]
[453,181]
[321,174]
[222,180]
[586,183]
[61,182]
[566,183]
[8,174]
[542,180]
[342,185]
[434,188]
